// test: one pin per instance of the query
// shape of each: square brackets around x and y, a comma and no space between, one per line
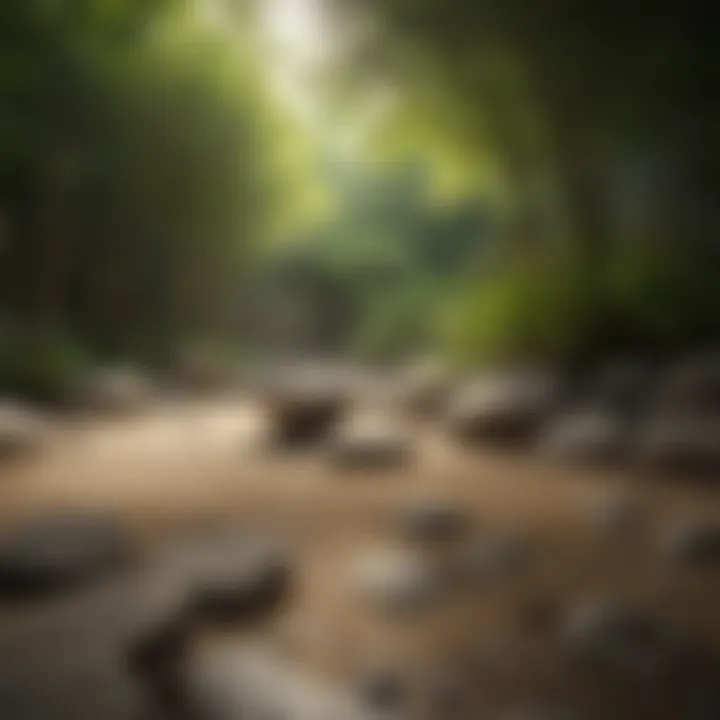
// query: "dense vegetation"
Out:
[145,188]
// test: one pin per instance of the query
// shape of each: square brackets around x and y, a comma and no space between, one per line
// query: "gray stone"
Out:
[450,695]
[673,443]
[246,681]
[424,387]
[230,575]
[115,391]
[539,712]
[615,514]
[619,637]
[585,435]
[51,553]
[502,407]
[623,385]
[383,691]
[370,444]
[496,556]
[304,409]
[399,580]
[693,541]
[22,431]
[434,521]
[691,387]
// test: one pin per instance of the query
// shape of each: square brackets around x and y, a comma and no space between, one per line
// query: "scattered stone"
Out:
[694,541]
[434,522]
[399,580]
[21,431]
[231,576]
[615,514]
[200,370]
[623,385]
[250,593]
[383,691]
[424,388]
[156,657]
[539,712]
[370,444]
[680,444]
[48,554]
[691,387]
[618,637]
[505,407]
[497,555]
[450,695]
[304,408]
[243,680]
[116,391]
[586,435]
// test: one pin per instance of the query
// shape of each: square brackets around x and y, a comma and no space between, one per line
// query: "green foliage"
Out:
[42,365]
[138,170]
[530,311]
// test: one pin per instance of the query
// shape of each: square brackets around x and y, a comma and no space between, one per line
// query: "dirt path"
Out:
[201,463]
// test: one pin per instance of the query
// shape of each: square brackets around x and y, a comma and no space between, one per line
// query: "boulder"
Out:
[22,431]
[434,522]
[616,636]
[506,407]
[398,580]
[383,691]
[48,554]
[690,386]
[615,514]
[494,556]
[693,541]
[231,680]
[675,443]
[116,391]
[304,405]
[585,435]
[369,443]
[423,388]
[230,576]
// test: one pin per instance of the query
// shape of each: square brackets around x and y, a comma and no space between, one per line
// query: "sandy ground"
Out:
[204,463]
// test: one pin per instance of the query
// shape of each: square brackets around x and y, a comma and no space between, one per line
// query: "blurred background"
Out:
[483,181]
[394,331]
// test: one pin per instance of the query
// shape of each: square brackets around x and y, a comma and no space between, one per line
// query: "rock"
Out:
[495,556]
[244,680]
[693,541]
[504,407]
[116,391]
[618,637]
[623,385]
[450,695]
[383,691]
[369,444]
[250,593]
[434,522]
[47,554]
[424,387]
[680,444]
[155,659]
[399,580]
[539,712]
[691,387]
[22,431]
[305,407]
[615,514]
[231,576]
[585,435]
[199,370]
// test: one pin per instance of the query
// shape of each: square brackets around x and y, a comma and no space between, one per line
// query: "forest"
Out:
[496,180]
